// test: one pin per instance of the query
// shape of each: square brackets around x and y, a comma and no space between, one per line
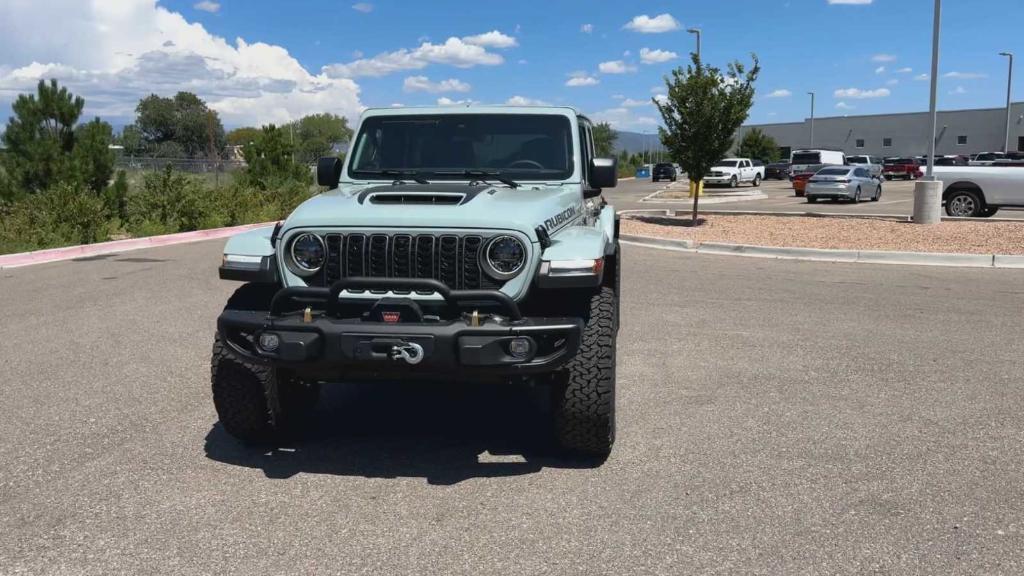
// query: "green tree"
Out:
[703,110]
[269,159]
[242,136]
[184,120]
[317,135]
[758,145]
[604,139]
[40,136]
[92,158]
[132,139]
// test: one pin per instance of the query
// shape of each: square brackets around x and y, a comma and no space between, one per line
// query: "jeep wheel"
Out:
[584,390]
[255,403]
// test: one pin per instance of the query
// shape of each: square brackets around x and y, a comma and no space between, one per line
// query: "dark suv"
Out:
[663,171]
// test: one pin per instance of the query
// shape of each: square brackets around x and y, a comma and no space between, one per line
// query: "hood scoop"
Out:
[421,194]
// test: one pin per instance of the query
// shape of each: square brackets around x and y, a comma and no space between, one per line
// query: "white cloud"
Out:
[587,28]
[578,79]
[780,93]
[445,101]
[631,103]
[892,82]
[457,52]
[492,39]
[883,58]
[906,70]
[880,70]
[207,6]
[647,25]
[858,94]
[648,56]
[114,53]
[657,89]
[423,84]
[623,119]
[615,67]
[851,2]
[921,77]
[958,90]
[364,7]
[524,101]
[965,75]
[844,106]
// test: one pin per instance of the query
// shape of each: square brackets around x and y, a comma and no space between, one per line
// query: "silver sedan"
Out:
[844,183]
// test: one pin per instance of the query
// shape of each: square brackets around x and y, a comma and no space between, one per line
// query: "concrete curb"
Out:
[668,212]
[827,255]
[72,252]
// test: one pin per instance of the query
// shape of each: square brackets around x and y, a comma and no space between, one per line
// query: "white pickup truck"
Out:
[732,172]
[980,191]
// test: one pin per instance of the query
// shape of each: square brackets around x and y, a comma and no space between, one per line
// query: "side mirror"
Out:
[328,171]
[604,173]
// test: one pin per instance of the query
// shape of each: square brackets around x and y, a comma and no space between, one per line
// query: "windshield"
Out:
[521,146]
[901,161]
[807,158]
[663,166]
[858,160]
[724,164]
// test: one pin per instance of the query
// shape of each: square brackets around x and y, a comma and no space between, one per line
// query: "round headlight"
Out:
[504,257]
[308,252]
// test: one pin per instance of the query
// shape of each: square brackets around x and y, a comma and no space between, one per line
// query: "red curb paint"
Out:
[71,252]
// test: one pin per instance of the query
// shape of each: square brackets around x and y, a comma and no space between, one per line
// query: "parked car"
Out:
[872,163]
[852,183]
[980,191]
[452,244]
[987,158]
[805,163]
[664,171]
[777,171]
[952,161]
[734,171]
[902,168]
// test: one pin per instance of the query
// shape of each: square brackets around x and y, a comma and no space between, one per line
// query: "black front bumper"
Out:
[315,340]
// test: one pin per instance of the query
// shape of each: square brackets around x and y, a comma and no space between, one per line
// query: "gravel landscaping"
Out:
[839,233]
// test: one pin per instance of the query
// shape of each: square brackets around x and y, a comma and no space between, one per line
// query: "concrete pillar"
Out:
[927,202]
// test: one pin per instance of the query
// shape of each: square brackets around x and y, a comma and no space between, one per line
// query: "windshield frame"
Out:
[572,174]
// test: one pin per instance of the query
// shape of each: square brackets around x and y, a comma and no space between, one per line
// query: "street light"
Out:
[1009,91]
[928,192]
[697,32]
[812,119]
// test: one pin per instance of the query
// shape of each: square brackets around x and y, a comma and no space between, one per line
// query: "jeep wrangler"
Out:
[466,243]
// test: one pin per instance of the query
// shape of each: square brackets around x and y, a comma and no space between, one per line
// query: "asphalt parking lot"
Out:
[897,199]
[774,417]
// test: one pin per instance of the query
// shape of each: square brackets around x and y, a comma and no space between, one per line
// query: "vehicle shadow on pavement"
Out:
[443,432]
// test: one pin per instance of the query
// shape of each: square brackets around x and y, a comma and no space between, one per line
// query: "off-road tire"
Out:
[584,390]
[256,403]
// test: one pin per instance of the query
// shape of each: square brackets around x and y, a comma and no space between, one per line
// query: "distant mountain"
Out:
[637,142]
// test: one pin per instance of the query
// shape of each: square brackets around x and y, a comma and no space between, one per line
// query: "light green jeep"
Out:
[452,243]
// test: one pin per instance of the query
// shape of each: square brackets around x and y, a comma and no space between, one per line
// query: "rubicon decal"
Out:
[561,218]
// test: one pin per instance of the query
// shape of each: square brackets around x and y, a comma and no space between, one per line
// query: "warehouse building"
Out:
[958,132]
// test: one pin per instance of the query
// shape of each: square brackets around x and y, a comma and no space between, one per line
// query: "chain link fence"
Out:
[217,171]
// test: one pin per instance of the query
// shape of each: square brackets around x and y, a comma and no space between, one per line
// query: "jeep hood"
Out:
[446,205]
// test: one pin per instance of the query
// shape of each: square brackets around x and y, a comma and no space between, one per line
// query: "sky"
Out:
[262,61]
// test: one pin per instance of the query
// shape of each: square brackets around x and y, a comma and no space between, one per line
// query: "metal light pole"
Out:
[697,32]
[812,119]
[1009,93]
[928,192]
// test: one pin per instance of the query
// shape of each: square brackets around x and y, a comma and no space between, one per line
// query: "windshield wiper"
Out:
[413,175]
[483,175]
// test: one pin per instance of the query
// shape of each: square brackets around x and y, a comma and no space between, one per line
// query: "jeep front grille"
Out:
[452,259]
